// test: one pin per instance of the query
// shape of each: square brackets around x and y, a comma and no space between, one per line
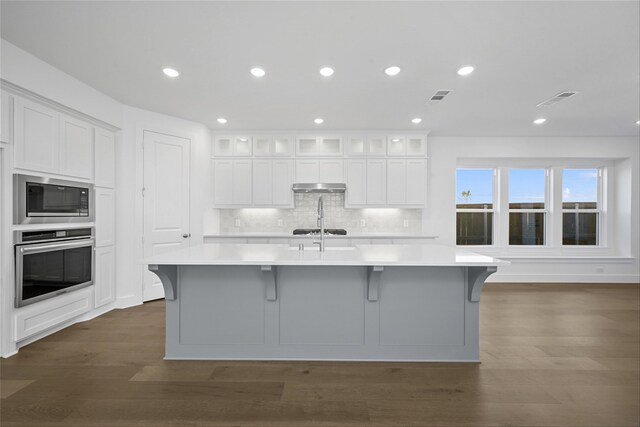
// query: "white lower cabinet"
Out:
[105,283]
[232,182]
[406,182]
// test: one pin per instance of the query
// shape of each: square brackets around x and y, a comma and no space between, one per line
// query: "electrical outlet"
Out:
[363,223]
[279,223]
[237,222]
[405,223]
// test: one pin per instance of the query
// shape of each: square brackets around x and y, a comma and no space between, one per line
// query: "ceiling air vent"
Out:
[559,97]
[439,95]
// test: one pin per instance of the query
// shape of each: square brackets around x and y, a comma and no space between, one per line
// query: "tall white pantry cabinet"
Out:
[52,141]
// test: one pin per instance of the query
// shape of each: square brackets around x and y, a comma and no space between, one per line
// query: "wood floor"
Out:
[552,355]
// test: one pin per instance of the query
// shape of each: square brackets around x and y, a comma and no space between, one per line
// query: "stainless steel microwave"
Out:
[38,200]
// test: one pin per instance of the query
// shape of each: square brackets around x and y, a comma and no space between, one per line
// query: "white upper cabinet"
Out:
[272,180]
[232,145]
[232,182]
[105,206]
[366,145]
[356,182]
[406,182]
[331,171]
[376,182]
[319,146]
[407,145]
[36,136]
[6,113]
[307,171]
[76,147]
[272,145]
[376,145]
[356,145]
[105,158]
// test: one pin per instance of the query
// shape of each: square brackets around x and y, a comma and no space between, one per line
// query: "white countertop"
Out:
[277,234]
[360,255]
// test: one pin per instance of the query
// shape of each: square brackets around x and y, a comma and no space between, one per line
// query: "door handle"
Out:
[186,235]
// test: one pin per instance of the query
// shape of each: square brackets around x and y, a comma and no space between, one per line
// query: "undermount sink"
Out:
[316,248]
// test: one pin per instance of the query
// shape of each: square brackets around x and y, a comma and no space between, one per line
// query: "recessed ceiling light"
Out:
[395,140]
[539,121]
[258,72]
[326,71]
[222,120]
[416,120]
[243,139]
[466,70]
[170,72]
[392,71]
[318,121]
[638,122]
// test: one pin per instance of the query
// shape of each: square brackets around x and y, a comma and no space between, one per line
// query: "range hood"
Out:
[319,188]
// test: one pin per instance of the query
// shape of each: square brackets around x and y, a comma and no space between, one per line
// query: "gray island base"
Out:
[364,303]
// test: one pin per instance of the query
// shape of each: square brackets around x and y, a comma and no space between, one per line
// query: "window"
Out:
[580,207]
[527,206]
[474,206]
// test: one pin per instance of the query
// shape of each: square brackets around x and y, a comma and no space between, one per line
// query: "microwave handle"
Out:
[56,246]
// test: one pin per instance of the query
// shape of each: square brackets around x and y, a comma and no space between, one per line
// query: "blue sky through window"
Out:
[479,182]
[580,185]
[526,185]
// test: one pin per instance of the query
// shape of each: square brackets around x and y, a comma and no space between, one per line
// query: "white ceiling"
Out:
[524,53]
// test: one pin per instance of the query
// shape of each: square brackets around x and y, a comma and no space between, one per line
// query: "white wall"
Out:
[439,217]
[129,216]
[28,72]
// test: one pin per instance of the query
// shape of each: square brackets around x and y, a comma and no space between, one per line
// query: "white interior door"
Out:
[166,200]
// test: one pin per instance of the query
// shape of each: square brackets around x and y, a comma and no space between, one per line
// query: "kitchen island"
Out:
[364,302]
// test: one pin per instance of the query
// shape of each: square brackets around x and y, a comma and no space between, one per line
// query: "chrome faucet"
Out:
[320,224]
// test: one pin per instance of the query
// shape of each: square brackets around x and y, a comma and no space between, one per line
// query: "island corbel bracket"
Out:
[373,282]
[271,281]
[168,275]
[475,279]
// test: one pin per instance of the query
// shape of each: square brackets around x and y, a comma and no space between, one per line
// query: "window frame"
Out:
[599,210]
[494,190]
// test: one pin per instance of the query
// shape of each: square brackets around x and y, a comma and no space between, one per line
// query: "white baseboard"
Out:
[564,278]
[127,301]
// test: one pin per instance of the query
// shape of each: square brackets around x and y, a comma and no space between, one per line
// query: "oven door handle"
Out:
[30,249]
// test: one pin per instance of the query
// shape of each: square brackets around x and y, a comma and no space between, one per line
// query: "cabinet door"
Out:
[223,145]
[376,182]
[416,182]
[105,158]
[262,145]
[241,182]
[356,182]
[105,283]
[376,145]
[332,171]
[222,185]
[242,145]
[6,112]
[356,145]
[330,146]
[282,181]
[105,217]
[307,171]
[396,182]
[282,145]
[36,136]
[416,145]
[396,145]
[262,182]
[76,147]
[307,146]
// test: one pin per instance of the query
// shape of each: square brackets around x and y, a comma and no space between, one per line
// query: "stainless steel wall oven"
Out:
[38,200]
[52,262]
